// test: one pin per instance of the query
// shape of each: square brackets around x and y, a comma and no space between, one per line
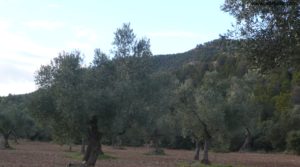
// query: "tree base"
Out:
[205,161]
[76,165]
[6,147]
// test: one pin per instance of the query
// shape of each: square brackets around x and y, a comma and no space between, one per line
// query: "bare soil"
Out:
[42,154]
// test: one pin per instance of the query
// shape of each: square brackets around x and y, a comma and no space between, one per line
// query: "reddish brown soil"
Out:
[39,154]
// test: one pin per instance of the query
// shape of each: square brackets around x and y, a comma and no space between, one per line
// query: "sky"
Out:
[33,32]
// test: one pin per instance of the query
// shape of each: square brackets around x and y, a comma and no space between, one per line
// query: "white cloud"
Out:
[4,24]
[54,6]
[85,33]
[44,24]
[78,45]
[18,88]
[20,57]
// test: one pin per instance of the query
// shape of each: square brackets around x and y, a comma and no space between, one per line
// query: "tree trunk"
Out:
[156,143]
[119,142]
[157,149]
[82,150]
[205,159]
[94,145]
[15,137]
[100,149]
[247,141]
[5,141]
[197,151]
[70,147]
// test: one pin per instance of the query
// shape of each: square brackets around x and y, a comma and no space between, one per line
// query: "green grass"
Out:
[198,164]
[79,156]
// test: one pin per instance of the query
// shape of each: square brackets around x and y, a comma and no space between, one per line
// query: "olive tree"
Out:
[243,111]
[202,109]
[269,29]
[132,75]
[14,120]
[61,85]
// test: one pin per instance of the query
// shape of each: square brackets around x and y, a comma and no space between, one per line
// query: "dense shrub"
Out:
[236,142]
[293,141]
[261,143]
[178,142]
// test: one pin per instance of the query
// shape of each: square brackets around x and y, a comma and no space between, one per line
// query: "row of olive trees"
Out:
[104,100]
[123,95]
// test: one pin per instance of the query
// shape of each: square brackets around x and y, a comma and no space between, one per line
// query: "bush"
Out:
[236,142]
[262,143]
[293,141]
[178,142]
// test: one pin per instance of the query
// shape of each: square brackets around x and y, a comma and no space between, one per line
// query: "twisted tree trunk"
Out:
[70,148]
[197,151]
[205,159]
[247,141]
[82,150]
[6,144]
[156,143]
[15,136]
[94,145]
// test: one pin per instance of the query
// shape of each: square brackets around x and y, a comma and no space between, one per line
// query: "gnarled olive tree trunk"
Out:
[207,139]
[205,159]
[247,141]
[93,143]
[197,150]
[156,143]
[5,144]
[83,144]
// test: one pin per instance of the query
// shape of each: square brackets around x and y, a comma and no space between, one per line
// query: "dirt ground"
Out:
[40,154]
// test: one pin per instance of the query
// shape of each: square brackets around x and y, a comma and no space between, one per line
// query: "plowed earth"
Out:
[41,154]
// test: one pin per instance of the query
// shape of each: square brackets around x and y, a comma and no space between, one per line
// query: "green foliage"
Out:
[124,41]
[293,141]
[296,78]
[283,102]
[269,30]
[15,120]
[59,99]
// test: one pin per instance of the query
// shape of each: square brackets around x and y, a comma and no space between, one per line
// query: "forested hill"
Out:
[206,52]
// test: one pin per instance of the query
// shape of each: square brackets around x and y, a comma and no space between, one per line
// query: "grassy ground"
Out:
[39,154]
